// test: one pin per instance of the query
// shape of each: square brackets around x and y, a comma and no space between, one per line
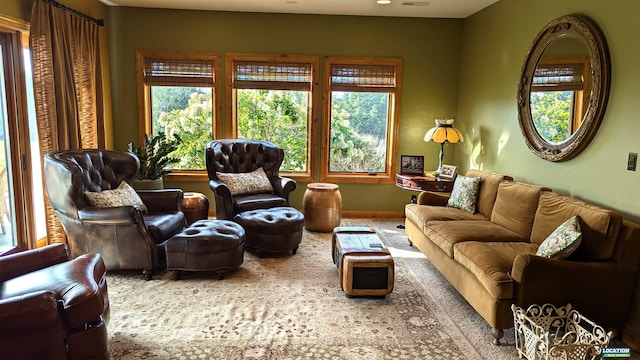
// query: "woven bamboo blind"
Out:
[558,77]
[168,72]
[272,76]
[366,78]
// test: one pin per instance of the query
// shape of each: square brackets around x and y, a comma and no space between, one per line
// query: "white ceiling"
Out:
[400,8]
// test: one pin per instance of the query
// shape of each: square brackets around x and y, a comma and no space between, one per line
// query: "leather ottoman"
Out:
[206,245]
[277,229]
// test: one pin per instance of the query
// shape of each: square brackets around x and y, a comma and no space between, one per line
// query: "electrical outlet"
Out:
[632,161]
[414,199]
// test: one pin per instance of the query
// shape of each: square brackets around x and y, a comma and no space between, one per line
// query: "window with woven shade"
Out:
[177,93]
[360,118]
[273,99]
[559,96]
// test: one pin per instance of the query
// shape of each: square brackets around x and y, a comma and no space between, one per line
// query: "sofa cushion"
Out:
[599,226]
[515,206]
[422,214]
[491,263]
[465,193]
[446,234]
[563,241]
[487,190]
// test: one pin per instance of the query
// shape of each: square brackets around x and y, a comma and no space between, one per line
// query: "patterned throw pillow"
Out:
[563,241]
[123,195]
[247,183]
[465,193]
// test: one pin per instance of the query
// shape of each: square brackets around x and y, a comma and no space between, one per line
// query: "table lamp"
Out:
[443,132]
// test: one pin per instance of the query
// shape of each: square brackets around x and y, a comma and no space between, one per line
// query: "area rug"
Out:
[282,307]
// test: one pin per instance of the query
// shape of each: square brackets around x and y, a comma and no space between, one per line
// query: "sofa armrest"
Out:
[433,198]
[287,185]
[224,200]
[22,314]
[602,290]
[31,327]
[31,260]
[162,201]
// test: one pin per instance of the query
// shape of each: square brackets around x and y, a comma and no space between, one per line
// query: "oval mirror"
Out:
[564,88]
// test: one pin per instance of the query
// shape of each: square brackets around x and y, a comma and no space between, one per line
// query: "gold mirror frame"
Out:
[590,36]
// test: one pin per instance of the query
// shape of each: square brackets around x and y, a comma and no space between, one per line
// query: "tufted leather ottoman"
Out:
[206,245]
[277,229]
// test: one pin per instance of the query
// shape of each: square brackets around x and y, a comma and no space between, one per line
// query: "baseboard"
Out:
[356,214]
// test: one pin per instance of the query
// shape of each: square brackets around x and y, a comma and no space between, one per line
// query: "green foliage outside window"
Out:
[552,113]
[277,116]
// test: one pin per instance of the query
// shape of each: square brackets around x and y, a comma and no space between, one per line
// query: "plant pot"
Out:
[157,184]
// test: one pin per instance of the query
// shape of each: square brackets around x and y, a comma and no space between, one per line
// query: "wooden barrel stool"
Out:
[322,204]
[195,206]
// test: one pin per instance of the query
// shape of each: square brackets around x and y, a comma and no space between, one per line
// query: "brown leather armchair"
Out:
[244,156]
[125,236]
[53,307]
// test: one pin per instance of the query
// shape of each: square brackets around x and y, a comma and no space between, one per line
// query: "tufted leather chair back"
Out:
[70,173]
[240,156]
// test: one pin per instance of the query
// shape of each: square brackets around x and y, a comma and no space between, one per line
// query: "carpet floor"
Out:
[292,307]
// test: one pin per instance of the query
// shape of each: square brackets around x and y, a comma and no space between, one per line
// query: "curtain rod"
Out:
[100,22]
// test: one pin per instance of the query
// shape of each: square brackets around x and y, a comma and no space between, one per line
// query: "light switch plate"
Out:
[632,161]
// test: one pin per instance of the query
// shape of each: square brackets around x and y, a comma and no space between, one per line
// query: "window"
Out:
[360,118]
[558,100]
[272,99]
[178,91]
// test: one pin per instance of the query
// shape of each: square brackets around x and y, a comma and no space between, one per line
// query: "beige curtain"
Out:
[68,87]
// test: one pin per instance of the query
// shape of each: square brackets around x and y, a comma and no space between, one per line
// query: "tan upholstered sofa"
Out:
[489,256]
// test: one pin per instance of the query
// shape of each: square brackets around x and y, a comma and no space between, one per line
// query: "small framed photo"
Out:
[412,165]
[448,172]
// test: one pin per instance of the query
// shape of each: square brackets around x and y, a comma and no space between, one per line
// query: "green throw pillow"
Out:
[563,241]
[465,193]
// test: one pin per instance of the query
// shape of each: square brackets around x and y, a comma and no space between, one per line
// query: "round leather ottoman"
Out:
[206,245]
[277,229]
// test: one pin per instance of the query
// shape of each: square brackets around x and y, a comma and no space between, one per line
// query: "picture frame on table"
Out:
[412,165]
[448,172]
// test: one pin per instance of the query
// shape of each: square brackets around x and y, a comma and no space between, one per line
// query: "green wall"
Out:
[495,42]
[430,48]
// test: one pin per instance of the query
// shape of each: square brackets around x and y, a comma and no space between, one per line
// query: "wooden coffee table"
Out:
[365,266]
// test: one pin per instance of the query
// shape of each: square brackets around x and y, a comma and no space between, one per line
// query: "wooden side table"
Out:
[322,207]
[423,183]
[195,206]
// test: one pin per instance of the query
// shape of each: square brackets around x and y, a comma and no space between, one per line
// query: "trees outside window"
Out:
[273,100]
[179,90]
[360,118]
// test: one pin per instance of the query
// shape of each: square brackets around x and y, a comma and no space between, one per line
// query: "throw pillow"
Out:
[563,241]
[465,193]
[123,195]
[247,183]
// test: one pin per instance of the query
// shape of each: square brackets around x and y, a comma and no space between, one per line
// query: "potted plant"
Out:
[154,156]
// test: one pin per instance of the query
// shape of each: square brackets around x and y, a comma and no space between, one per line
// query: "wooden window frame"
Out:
[393,125]
[231,102]
[144,100]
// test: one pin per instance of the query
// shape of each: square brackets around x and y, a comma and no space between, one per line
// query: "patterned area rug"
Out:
[284,307]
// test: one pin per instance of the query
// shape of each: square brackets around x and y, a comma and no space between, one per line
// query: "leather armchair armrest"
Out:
[165,200]
[433,198]
[224,199]
[22,314]
[287,185]
[602,287]
[31,260]
[121,215]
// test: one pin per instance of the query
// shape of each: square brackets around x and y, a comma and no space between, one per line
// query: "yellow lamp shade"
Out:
[444,131]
